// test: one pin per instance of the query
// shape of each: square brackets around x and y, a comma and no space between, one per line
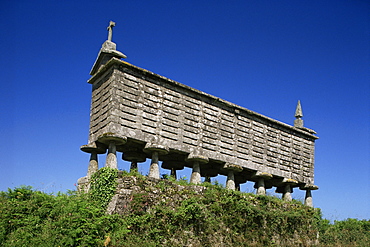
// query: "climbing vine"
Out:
[103,185]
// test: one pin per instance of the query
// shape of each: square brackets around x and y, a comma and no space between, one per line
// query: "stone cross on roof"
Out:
[110,30]
[107,51]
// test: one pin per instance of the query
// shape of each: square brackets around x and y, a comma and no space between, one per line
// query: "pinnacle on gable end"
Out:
[298,110]
[298,122]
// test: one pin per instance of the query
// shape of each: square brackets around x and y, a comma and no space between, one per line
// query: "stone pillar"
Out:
[260,183]
[155,150]
[231,169]
[135,156]
[112,141]
[230,183]
[261,190]
[154,167]
[237,186]
[173,173]
[133,166]
[287,196]
[94,150]
[111,160]
[173,166]
[197,160]
[287,188]
[208,172]
[195,174]
[93,164]
[308,198]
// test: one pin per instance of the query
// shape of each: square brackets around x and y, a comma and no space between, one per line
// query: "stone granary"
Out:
[147,116]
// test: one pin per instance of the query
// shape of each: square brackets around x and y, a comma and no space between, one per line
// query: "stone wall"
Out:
[142,107]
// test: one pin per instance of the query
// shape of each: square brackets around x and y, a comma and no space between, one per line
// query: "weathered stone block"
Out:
[142,106]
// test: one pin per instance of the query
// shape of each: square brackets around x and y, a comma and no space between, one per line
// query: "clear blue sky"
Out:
[262,55]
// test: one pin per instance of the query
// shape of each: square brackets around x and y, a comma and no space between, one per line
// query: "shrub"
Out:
[33,218]
[212,217]
[349,232]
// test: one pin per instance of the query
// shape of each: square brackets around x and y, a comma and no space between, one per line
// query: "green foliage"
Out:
[174,217]
[132,173]
[183,181]
[22,193]
[103,185]
[39,219]
[215,216]
[349,232]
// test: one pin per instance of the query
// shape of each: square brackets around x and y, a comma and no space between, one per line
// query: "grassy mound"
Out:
[161,214]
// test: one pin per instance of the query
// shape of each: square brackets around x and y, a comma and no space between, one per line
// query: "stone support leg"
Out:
[154,167]
[260,178]
[93,165]
[173,166]
[133,166]
[237,186]
[111,160]
[196,160]
[173,173]
[155,150]
[133,155]
[93,149]
[308,199]
[112,141]
[287,196]
[195,175]
[261,190]
[230,183]
[231,170]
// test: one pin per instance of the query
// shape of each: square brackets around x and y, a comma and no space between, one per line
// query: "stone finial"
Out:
[110,30]
[298,122]
[298,110]
[107,51]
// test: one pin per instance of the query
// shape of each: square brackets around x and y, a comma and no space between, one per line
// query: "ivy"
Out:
[103,185]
